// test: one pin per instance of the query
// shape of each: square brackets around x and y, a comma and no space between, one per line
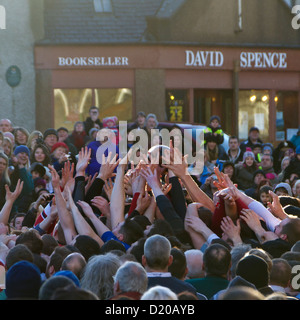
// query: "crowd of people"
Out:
[76,228]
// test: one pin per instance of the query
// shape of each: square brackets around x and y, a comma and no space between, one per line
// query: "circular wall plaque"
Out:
[13,76]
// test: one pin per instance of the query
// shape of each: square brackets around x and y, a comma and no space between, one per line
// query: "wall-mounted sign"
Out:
[92,61]
[13,76]
[218,59]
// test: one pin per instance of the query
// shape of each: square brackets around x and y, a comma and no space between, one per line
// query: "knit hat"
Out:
[253,269]
[39,182]
[23,280]
[20,149]
[259,171]
[248,154]
[253,129]
[108,119]
[50,131]
[69,274]
[38,167]
[286,186]
[58,145]
[63,128]
[215,118]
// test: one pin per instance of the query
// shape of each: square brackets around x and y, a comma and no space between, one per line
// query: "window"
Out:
[104,6]
[286,114]
[71,105]
[254,111]
[177,105]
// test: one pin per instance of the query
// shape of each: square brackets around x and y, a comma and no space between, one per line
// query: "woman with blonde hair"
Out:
[8,147]
[33,139]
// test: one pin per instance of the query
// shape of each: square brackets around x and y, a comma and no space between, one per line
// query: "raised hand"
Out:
[12,196]
[84,156]
[108,166]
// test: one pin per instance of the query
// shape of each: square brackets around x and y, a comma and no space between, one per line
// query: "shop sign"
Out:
[92,61]
[217,59]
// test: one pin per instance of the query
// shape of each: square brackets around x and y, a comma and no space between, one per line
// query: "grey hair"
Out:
[152,115]
[159,293]
[237,253]
[157,250]
[98,275]
[194,259]
[132,277]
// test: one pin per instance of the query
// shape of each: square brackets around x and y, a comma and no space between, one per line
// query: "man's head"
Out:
[5,125]
[157,254]
[254,134]
[94,113]
[216,260]
[130,277]
[50,137]
[151,121]
[289,230]
[62,133]
[194,260]
[281,273]
[266,162]
[128,231]
[234,143]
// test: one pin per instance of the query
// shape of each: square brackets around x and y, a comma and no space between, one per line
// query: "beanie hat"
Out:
[286,186]
[38,167]
[50,131]
[253,129]
[39,182]
[248,154]
[62,128]
[59,145]
[20,149]
[69,274]
[108,119]
[253,269]
[215,118]
[23,280]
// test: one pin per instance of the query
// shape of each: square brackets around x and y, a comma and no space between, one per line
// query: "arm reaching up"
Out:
[10,198]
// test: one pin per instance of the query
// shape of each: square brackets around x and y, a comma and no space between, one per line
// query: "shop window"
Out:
[286,114]
[177,106]
[103,6]
[71,105]
[254,111]
[114,102]
[214,102]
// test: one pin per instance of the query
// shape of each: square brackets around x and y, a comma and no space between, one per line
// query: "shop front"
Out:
[245,86]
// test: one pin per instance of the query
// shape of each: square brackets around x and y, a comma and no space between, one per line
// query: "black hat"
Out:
[50,131]
[254,269]
[63,128]
[215,118]
[253,129]
[38,167]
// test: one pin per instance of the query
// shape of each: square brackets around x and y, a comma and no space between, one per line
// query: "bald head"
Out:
[74,262]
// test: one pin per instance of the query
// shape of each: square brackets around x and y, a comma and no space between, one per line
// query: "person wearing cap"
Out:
[21,171]
[283,189]
[214,129]
[284,149]
[253,138]
[59,155]
[245,170]
[50,138]
[63,136]
[258,177]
